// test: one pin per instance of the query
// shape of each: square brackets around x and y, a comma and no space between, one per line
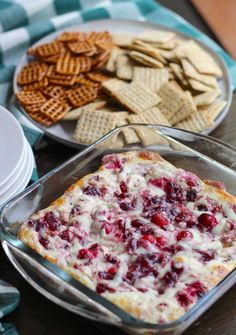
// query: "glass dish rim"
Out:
[206,301]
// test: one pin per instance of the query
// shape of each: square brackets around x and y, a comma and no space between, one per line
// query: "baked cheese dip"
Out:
[149,237]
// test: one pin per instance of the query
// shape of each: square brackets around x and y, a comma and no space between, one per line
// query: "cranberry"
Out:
[91,190]
[183,216]
[51,221]
[146,230]
[44,242]
[130,278]
[126,206]
[149,238]
[113,270]
[184,234]
[105,275]
[173,192]
[159,182]
[65,235]
[108,227]
[87,254]
[171,277]
[101,288]
[123,187]
[161,241]
[202,207]
[206,256]
[207,220]
[142,289]
[40,225]
[191,180]
[137,223]
[191,195]
[187,295]
[159,220]
[32,223]
[76,210]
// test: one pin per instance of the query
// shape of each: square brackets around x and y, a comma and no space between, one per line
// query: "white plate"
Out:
[12,145]
[63,132]
[22,180]
[17,173]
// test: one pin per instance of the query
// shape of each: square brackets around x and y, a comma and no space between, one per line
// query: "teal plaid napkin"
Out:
[9,298]
[23,22]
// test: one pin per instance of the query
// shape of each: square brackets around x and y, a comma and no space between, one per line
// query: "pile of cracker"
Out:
[154,77]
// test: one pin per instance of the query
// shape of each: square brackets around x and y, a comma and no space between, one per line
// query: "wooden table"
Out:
[38,316]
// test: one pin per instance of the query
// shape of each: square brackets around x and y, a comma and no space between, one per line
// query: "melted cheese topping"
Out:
[149,237]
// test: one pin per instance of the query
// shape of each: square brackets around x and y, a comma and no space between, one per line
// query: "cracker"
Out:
[197,122]
[145,60]
[113,85]
[36,86]
[54,109]
[101,59]
[148,50]
[151,116]
[185,110]
[156,36]
[31,73]
[81,47]
[81,95]
[30,97]
[33,108]
[39,117]
[191,72]
[76,113]
[50,59]
[152,78]
[122,39]
[202,60]
[215,109]
[91,126]
[87,82]
[172,100]
[179,73]
[97,77]
[124,68]
[111,63]
[198,86]
[70,65]
[63,80]
[206,98]
[95,36]
[50,49]
[72,36]
[54,91]
[136,97]
[130,136]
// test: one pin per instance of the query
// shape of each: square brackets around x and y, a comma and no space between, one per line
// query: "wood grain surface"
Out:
[221,17]
[38,316]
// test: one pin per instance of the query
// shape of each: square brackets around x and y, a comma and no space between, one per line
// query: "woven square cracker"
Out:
[198,86]
[30,73]
[30,97]
[191,72]
[81,95]
[202,60]
[81,47]
[147,49]
[54,91]
[152,78]
[51,59]
[197,122]
[100,60]
[185,110]
[151,116]
[156,36]
[97,77]
[95,36]
[136,97]
[54,109]
[72,36]
[80,79]
[33,108]
[145,59]
[39,117]
[50,49]
[172,100]
[215,109]
[60,79]
[70,65]
[91,126]
[36,86]
[206,98]
[124,67]
[76,113]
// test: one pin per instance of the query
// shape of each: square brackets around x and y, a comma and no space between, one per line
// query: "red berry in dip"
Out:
[207,220]
[159,220]
[184,234]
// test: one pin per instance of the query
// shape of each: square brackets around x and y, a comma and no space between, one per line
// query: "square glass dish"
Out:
[205,156]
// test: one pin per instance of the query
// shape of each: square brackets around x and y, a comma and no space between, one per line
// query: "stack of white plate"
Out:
[16,157]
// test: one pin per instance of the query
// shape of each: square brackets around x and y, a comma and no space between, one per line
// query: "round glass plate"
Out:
[63,131]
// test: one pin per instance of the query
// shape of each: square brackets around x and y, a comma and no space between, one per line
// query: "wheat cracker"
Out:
[76,113]
[197,122]
[207,98]
[185,110]
[124,67]
[198,86]
[145,59]
[156,36]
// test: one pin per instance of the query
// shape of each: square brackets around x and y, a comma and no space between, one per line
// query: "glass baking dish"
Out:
[205,156]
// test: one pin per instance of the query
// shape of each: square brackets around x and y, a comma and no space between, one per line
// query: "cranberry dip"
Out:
[151,238]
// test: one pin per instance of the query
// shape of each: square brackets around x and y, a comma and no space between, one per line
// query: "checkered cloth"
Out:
[23,22]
